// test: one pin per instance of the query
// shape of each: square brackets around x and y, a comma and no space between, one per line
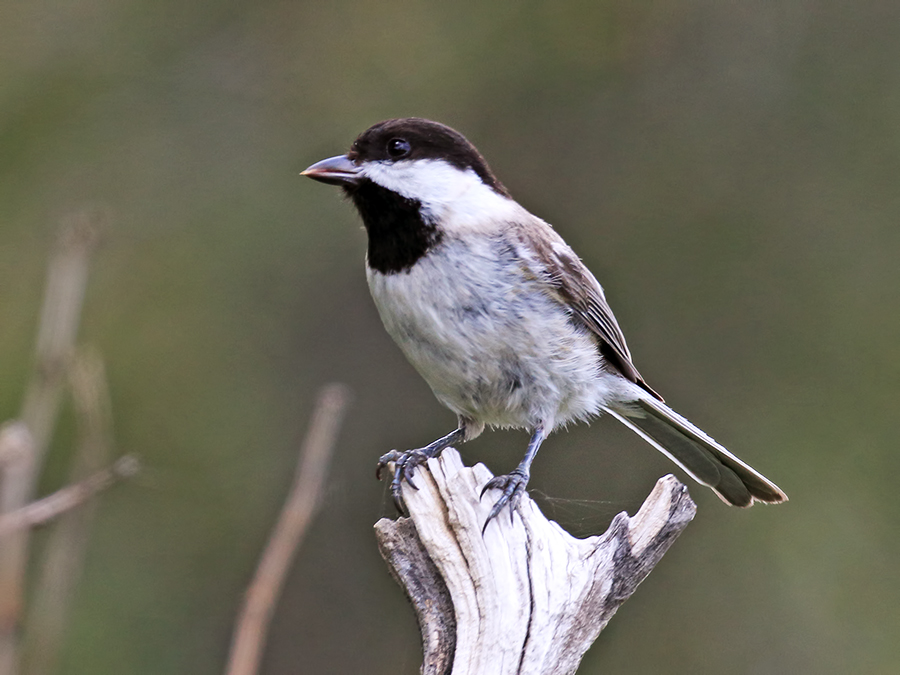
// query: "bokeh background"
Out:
[729,170]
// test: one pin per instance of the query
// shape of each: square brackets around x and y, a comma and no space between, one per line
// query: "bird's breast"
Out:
[487,337]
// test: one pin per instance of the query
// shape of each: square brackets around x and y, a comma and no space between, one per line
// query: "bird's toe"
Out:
[513,487]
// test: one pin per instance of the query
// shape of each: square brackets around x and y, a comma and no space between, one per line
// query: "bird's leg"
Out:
[405,463]
[513,484]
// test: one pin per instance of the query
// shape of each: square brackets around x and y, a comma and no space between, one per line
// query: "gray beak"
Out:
[334,171]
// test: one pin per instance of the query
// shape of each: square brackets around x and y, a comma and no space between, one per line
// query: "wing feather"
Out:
[554,262]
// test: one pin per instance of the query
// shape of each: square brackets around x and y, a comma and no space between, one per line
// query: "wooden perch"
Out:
[524,598]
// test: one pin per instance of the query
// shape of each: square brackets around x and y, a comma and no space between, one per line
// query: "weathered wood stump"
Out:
[525,597]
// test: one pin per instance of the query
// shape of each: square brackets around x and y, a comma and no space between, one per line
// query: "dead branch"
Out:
[17,451]
[252,625]
[64,551]
[64,290]
[523,598]
[44,510]
[57,331]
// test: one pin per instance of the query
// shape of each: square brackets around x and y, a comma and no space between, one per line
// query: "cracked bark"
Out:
[524,598]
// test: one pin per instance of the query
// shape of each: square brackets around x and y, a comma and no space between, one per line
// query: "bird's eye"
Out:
[398,147]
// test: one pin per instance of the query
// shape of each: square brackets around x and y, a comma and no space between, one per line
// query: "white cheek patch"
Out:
[458,198]
[425,180]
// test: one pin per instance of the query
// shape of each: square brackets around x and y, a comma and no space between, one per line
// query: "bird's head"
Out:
[415,158]
[414,181]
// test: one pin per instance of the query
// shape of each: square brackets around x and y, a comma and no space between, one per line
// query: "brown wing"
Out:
[554,262]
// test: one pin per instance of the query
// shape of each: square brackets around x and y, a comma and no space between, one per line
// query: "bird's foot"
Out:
[513,487]
[405,464]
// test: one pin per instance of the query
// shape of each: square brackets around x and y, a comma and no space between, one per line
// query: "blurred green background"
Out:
[729,171]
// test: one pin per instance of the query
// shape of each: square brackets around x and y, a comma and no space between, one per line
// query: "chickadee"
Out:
[498,313]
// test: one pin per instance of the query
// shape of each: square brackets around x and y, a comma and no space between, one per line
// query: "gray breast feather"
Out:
[489,339]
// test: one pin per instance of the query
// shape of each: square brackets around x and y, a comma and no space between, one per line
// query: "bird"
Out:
[498,314]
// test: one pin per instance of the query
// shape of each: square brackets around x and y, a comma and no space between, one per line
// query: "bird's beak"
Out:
[334,171]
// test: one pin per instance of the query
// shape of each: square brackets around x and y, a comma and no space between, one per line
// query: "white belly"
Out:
[490,343]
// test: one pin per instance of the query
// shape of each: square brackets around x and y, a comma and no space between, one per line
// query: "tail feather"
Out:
[705,460]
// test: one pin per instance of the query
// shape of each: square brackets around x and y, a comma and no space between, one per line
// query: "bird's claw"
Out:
[405,464]
[513,487]
[384,460]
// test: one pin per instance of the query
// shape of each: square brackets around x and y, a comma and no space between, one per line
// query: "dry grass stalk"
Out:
[252,625]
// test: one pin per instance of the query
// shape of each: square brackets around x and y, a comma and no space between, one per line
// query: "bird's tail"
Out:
[705,460]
